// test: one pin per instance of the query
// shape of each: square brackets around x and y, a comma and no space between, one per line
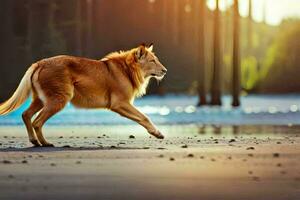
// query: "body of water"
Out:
[180,109]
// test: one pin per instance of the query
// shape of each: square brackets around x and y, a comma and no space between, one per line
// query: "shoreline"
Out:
[90,163]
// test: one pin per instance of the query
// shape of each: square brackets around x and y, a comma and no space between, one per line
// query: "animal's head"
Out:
[150,65]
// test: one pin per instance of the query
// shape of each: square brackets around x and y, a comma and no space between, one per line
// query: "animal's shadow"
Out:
[57,149]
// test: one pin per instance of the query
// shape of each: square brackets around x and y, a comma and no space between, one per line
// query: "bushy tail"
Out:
[20,95]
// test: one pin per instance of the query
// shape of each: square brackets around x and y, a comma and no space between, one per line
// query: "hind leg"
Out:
[51,108]
[35,106]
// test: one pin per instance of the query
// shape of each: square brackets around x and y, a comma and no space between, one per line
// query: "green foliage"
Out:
[249,72]
[280,70]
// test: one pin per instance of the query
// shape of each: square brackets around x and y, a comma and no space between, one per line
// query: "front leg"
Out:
[129,111]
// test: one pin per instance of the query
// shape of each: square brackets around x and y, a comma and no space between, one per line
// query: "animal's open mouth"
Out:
[158,75]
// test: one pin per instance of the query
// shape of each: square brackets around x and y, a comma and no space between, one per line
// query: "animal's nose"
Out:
[164,70]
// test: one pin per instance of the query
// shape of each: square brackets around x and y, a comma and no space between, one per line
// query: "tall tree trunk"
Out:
[236,56]
[184,32]
[78,28]
[201,54]
[39,28]
[175,24]
[30,29]
[89,12]
[216,78]
[264,12]
[7,50]
[250,32]
[165,17]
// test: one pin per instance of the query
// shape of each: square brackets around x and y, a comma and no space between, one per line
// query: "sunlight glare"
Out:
[275,11]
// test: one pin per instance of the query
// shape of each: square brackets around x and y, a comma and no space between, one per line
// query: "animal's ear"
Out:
[150,48]
[140,52]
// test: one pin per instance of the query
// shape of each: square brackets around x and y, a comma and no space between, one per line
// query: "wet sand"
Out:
[193,162]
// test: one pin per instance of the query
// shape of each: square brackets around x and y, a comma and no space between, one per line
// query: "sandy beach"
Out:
[193,162]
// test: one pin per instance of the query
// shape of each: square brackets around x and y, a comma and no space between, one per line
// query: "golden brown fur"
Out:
[112,83]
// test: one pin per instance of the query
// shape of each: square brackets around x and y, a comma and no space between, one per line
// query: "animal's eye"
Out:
[152,61]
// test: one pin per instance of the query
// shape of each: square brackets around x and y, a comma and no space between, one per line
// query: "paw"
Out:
[47,145]
[35,143]
[157,134]
[161,136]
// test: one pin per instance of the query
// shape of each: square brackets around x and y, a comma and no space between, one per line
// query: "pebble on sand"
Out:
[184,146]
[275,155]
[282,172]
[255,178]
[297,179]
[24,161]
[11,176]
[279,165]
[250,148]
[232,140]
[131,137]
[6,162]
[172,159]
[190,155]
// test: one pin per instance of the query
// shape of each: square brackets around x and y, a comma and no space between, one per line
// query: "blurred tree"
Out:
[8,47]
[201,54]
[35,29]
[280,70]
[78,27]
[249,73]
[236,56]
[186,17]
[250,32]
[44,39]
[165,14]
[216,74]
[175,27]
[89,13]
[264,12]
